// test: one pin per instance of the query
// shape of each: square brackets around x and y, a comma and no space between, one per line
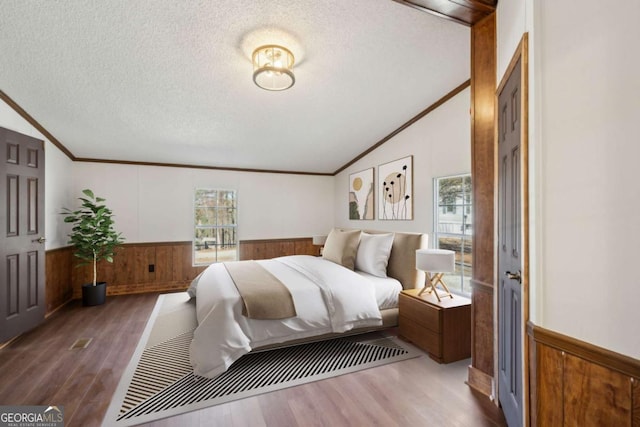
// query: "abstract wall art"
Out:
[361,204]
[395,190]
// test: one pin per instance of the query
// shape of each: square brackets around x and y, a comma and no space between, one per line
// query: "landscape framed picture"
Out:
[361,195]
[395,190]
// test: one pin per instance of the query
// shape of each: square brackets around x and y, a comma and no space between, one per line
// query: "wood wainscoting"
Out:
[577,383]
[264,249]
[58,265]
[131,273]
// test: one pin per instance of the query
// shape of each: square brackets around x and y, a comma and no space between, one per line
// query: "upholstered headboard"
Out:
[402,261]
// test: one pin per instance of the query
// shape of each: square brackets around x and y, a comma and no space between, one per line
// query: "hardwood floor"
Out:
[39,369]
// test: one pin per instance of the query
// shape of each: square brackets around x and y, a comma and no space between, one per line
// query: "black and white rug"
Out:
[159,380]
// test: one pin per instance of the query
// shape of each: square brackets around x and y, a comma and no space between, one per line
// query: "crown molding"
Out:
[18,109]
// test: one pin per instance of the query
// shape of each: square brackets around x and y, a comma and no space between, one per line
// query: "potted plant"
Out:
[94,239]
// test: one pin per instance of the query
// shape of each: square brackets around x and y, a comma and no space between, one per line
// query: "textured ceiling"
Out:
[171,80]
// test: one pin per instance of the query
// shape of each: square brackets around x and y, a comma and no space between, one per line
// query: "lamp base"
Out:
[430,285]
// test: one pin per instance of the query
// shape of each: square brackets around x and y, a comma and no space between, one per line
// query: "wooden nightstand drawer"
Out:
[418,312]
[441,328]
[423,338]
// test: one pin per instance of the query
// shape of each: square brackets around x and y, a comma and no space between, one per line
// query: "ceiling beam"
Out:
[465,12]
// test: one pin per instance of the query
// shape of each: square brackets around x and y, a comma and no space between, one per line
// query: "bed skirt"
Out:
[389,320]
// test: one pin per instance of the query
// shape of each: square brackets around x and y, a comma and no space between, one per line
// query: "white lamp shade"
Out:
[319,240]
[436,260]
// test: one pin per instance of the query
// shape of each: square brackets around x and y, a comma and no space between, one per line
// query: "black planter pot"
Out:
[94,295]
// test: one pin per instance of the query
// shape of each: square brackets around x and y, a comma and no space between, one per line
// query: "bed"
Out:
[352,288]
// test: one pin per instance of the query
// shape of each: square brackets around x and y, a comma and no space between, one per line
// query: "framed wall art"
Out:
[361,195]
[395,190]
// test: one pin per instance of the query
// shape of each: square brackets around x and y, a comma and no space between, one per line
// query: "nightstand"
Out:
[441,328]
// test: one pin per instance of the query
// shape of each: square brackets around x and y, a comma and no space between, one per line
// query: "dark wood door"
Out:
[510,249]
[22,299]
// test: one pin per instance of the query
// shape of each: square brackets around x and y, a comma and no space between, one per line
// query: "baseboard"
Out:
[480,382]
[9,341]
[52,312]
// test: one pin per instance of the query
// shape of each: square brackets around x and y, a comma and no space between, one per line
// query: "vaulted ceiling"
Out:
[170,81]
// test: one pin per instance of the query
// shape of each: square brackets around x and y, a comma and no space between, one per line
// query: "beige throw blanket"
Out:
[263,295]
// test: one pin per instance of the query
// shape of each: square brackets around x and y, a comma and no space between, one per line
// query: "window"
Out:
[216,225]
[454,227]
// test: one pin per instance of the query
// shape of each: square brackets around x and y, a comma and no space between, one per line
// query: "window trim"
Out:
[463,235]
[195,226]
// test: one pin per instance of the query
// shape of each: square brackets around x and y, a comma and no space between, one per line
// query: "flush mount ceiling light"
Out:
[273,67]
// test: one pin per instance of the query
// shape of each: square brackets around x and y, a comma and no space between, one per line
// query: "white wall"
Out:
[440,145]
[586,197]
[155,204]
[57,177]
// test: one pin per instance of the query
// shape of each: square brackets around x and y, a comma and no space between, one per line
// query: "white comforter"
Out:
[328,298]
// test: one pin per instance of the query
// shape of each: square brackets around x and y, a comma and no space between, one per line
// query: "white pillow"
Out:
[373,253]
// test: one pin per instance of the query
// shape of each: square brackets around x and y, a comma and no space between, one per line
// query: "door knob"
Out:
[39,240]
[514,276]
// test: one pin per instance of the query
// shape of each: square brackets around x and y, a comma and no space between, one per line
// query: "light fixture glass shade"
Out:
[273,67]
[436,260]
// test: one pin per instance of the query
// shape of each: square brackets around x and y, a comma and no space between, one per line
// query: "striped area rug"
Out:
[159,380]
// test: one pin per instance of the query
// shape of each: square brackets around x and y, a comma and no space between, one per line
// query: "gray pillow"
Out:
[341,247]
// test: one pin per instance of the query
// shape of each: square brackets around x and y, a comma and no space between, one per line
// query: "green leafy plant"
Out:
[93,235]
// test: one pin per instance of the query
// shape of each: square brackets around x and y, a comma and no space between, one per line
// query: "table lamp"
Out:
[435,262]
